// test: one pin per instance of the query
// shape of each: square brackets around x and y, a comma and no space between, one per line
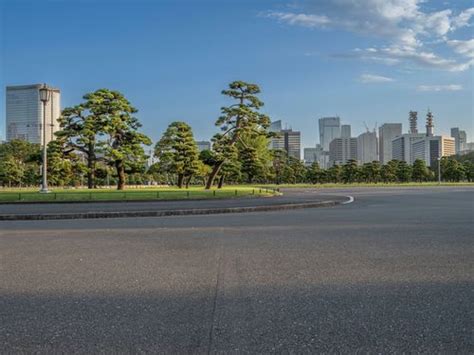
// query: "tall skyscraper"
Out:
[387,132]
[367,147]
[24,113]
[460,138]
[346,131]
[342,149]
[329,128]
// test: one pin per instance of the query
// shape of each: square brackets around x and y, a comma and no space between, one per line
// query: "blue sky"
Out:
[369,60]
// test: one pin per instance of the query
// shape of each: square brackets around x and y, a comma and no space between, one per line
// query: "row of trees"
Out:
[99,141]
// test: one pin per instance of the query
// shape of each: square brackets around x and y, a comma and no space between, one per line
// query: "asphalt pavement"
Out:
[391,272]
[290,196]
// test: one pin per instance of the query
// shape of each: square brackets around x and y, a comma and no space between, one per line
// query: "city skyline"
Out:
[169,76]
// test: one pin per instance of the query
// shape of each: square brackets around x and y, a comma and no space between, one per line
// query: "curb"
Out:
[165,213]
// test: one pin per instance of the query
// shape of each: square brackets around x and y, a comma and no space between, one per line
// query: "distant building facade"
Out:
[24,113]
[387,132]
[316,155]
[342,149]
[460,138]
[401,146]
[287,140]
[430,148]
[346,131]
[275,126]
[203,145]
[329,129]
[367,147]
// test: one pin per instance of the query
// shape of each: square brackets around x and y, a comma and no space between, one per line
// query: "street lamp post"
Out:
[439,170]
[44,94]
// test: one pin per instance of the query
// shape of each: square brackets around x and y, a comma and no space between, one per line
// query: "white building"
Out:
[24,113]
[387,132]
[429,149]
[367,148]
[329,129]
[318,155]
[401,146]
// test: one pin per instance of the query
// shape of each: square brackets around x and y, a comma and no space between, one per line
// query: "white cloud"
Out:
[451,87]
[374,79]
[463,18]
[465,48]
[306,20]
[405,25]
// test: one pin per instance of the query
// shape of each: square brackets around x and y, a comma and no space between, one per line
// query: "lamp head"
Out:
[44,93]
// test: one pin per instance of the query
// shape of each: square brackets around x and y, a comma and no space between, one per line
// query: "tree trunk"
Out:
[91,167]
[120,174]
[180,180]
[221,181]
[212,176]
[90,173]
[188,180]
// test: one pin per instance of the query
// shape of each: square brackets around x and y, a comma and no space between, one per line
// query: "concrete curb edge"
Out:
[166,213]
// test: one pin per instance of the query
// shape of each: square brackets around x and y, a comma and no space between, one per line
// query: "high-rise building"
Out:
[401,146]
[318,155]
[367,147]
[24,113]
[203,145]
[275,126]
[460,138]
[346,131]
[387,132]
[342,149]
[329,128]
[288,140]
[430,148]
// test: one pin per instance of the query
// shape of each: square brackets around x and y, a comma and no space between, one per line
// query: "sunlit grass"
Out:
[130,194]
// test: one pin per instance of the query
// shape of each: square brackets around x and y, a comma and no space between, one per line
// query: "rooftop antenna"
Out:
[413,117]
[429,123]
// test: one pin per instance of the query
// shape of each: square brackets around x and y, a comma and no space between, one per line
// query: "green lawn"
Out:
[158,193]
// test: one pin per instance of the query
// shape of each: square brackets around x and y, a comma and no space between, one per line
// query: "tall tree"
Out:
[237,119]
[388,172]
[19,163]
[178,153]
[350,171]
[123,146]
[420,171]
[80,127]
[404,171]
[314,173]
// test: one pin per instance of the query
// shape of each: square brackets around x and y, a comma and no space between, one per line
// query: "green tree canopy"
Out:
[178,153]
[236,120]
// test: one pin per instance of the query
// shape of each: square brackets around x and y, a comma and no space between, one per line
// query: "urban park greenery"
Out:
[99,144]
